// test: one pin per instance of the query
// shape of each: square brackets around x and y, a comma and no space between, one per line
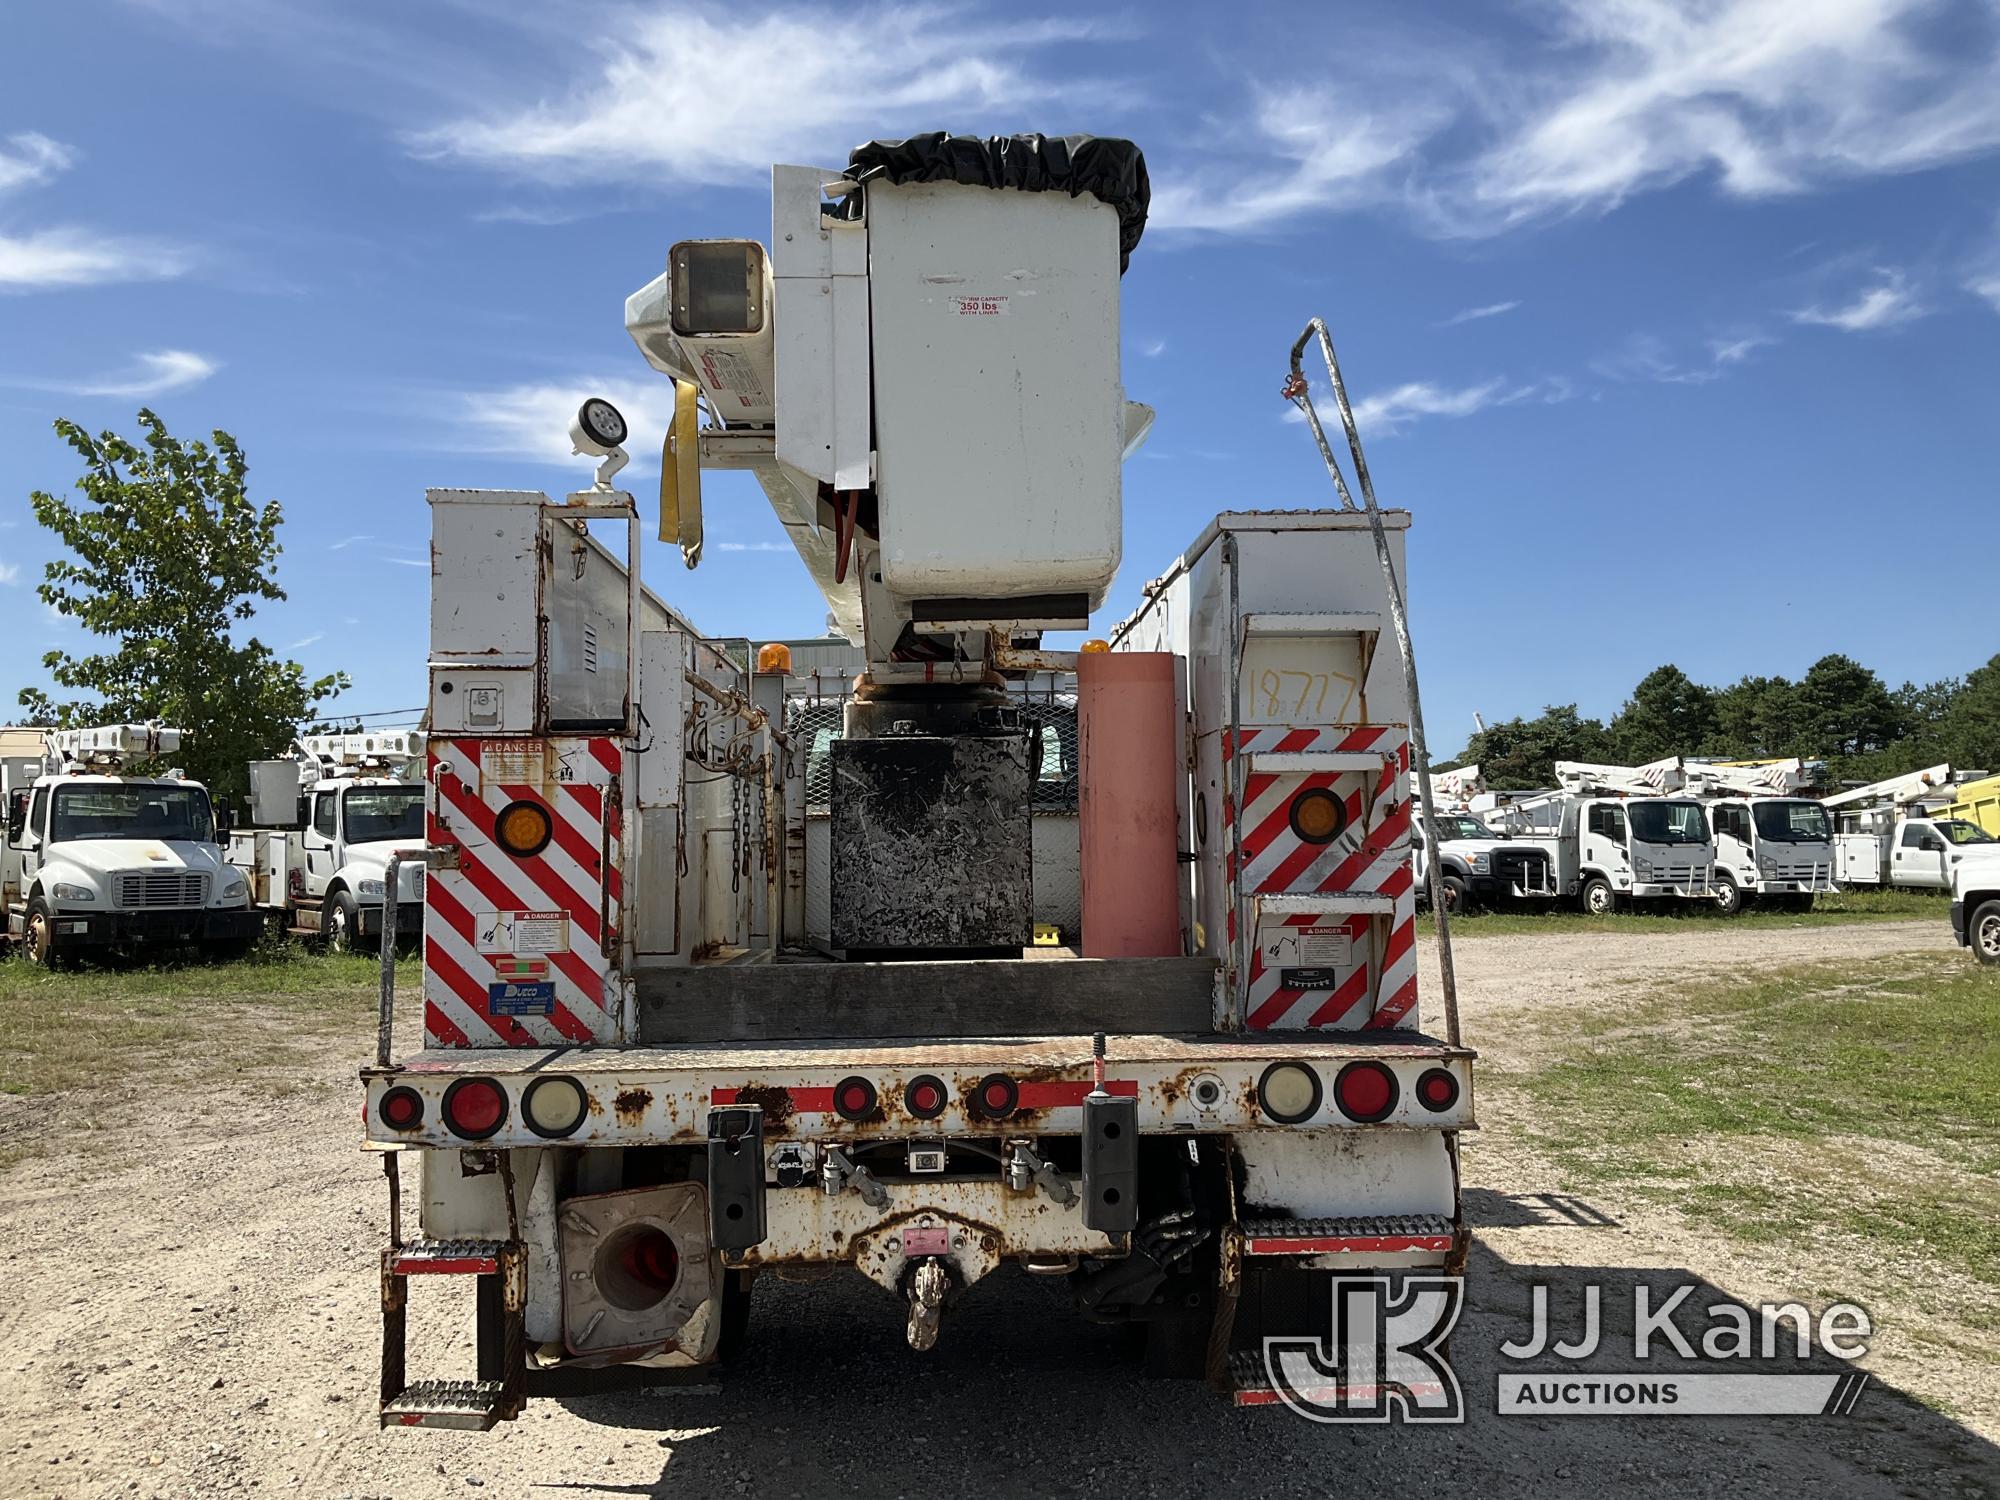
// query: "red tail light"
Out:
[926,1096]
[400,1109]
[1437,1090]
[475,1108]
[996,1096]
[854,1098]
[1365,1092]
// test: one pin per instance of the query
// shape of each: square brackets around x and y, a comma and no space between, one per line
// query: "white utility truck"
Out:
[1620,834]
[1887,838]
[1975,899]
[1773,848]
[97,859]
[324,822]
[643,1082]
[1482,865]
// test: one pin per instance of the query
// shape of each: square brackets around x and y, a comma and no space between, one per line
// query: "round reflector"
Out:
[523,828]
[854,1098]
[1289,1092]
[996,1096]
[1437,1090]
[1318,816]
[554,1107]
[475,1108]
[926,1096]
[400,1109]
[1365,1091]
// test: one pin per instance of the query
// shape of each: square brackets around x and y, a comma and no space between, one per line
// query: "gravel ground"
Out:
[197,1316]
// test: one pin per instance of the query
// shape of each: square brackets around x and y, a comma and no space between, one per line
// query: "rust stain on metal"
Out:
[774,1101]
[631,1105]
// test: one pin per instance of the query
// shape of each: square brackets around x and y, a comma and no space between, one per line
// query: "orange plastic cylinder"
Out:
[1128,772]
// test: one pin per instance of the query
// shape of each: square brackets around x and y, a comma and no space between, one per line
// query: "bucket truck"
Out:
[641,1085]
[96,858]
[1621,833]
[1772,847]
[1888,837]
[324,822]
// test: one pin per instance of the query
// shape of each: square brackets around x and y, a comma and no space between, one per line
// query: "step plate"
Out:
[461,1405]
[1250,1385]
[447,1258]
[1391,1234]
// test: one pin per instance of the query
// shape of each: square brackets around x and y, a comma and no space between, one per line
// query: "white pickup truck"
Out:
[1913,854]
[97,859]
[1975,898]
[1482,867]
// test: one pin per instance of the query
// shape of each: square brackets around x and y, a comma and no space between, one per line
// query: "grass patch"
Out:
[102,1028]
[1859,1101]
[1681,916]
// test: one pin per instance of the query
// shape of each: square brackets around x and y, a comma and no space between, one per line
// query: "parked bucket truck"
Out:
[1772,847]
[324,822]
[641,1087]
[1620,834]
[1888,836]
[95,858]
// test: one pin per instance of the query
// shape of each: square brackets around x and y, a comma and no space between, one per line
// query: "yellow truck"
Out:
[1977,802]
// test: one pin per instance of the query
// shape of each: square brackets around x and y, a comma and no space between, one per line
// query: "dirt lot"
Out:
[193,1313]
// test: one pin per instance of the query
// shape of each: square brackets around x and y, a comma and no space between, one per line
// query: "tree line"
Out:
[1839,712]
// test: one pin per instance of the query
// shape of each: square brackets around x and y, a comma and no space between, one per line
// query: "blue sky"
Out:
[1676,325]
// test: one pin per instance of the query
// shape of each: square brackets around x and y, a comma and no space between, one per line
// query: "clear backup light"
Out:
[1289,1092]
[554,1107]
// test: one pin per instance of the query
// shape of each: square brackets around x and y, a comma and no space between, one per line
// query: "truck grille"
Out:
[142,889]
[1693,876]
[1524,870]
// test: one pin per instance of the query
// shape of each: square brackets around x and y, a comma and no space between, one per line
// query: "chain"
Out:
[736,811]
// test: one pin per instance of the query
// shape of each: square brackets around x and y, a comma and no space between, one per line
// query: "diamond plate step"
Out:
[461,1405]
[447,1258]
[1386,1234]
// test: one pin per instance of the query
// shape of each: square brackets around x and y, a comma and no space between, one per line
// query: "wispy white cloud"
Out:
[1393,410]
[305,640]
[1891,300]
[1987,287]
[1473,314]
[1733,351]
[348,541]
[408,562]
[1152,348]
[1619,98]
[1647,357]
[31,158]
[66,255]
[686,98]
[753,547]
[154,374]
[10,573]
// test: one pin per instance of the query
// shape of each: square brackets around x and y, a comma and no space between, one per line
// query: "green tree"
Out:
[169,556]
[1844,710]
[1968,732]
[1520,754]
[1754,717]
[1668,714]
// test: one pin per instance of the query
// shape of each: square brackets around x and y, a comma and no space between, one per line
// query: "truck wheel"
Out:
[1457,895]
[340,922]
[1984,930]
[39,938]
[1728,897]
[1598,899]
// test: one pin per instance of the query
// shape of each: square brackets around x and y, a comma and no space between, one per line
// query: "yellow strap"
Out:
[680,476]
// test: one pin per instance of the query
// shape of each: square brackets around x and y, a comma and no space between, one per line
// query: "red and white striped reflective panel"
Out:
[1327,971]
[515,947]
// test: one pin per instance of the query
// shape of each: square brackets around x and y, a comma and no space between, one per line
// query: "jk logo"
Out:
[1383,1360]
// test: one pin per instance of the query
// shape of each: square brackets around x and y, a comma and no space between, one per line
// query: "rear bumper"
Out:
[215,925]
[638,1096]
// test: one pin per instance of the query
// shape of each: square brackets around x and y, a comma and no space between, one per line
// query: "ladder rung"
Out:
[447,1258]
[463,1405]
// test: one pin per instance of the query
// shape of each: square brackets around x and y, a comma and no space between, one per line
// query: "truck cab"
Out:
[328,819]
[1772,850]
[101,860]
[1925,852]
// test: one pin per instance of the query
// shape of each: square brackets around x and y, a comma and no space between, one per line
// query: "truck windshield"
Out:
[1961,832]
[136,810]
[1668,823]
[384,812]
[1457,826]
[1792,822]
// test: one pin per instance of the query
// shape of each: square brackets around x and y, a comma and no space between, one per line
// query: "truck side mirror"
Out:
[223,817]
[17,817]
[305,812]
